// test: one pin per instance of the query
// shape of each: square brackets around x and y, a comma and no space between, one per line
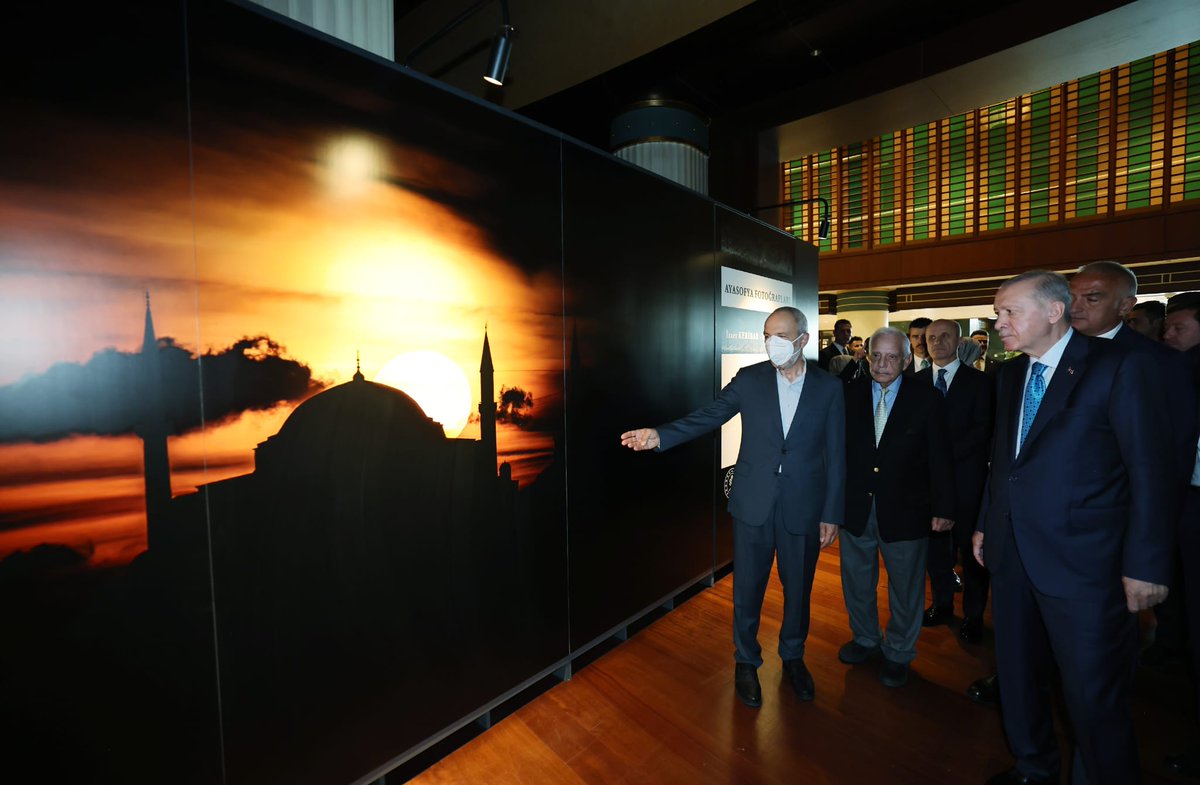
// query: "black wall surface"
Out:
[335,580]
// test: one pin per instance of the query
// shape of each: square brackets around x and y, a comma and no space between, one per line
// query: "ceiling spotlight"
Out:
[497,68]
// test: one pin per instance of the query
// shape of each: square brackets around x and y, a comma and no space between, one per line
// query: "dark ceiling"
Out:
[775,61]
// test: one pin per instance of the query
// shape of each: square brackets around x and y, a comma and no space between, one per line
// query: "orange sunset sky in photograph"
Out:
[312,237]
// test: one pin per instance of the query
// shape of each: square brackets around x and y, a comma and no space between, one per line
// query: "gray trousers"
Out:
[905,564]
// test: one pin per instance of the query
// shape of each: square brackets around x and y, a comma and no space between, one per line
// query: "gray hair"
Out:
[897,334]
[1048,287]
[795,313]
[1113,270]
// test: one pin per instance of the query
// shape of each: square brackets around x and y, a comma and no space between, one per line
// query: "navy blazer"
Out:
[970,408]
[910,475]
[813,478]
[1087,499]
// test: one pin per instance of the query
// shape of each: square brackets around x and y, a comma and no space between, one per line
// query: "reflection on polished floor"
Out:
[660,709]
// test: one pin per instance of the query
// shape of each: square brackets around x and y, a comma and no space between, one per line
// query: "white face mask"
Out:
[782,351]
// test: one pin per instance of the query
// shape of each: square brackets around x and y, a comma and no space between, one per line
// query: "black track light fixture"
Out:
[822,227]
[497,67]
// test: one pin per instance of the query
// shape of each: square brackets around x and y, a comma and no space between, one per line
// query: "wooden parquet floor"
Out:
[659,709]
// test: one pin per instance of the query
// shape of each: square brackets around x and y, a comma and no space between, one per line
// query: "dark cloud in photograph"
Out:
[113,392]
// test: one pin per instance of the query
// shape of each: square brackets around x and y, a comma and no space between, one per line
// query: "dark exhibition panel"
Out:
[255,525]
[638,271]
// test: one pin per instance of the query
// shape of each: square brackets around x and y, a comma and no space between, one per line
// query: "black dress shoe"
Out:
[745,684]
[985,691]
[937,614]
[893,674]
[971,630]
[802,680]
[1014,777]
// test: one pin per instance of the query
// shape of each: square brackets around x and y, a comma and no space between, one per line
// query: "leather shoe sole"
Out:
[746,686]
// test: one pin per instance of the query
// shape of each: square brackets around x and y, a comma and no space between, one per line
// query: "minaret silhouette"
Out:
[487,407]
[153,430]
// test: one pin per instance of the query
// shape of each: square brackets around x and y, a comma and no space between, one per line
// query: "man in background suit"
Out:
[788,489]
[916,340]
[1074,530]
[838,346]
[986,362]
[1103,294]
[900,486]
[1147,319]
[969,404]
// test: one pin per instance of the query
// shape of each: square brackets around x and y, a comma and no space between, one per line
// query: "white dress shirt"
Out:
[951,369]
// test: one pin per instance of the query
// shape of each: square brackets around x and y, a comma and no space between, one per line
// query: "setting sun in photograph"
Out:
[436,383]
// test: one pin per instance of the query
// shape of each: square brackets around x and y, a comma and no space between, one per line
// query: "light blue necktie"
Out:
[941,382]
[1033,399]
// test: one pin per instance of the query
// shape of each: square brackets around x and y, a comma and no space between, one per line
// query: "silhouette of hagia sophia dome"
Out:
[353,416]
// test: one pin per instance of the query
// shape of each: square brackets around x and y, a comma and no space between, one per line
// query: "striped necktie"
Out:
[941,382]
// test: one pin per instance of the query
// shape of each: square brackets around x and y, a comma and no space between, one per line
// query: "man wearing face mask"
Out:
[788,489]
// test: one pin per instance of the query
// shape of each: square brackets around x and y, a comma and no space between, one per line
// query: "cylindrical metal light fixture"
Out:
[497,69]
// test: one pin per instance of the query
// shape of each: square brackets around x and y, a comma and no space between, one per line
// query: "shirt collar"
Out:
[877,388]
[950,367]
[1054,354]
[1113,332]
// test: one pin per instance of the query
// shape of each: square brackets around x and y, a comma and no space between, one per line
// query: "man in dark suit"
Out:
[986,362]
[788,490]
[1074,530]
[970,401]
[839,345]
[916,341]
[1103,294]
[1147,319]
[899,480]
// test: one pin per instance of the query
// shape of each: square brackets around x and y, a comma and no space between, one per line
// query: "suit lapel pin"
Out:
[1070,370]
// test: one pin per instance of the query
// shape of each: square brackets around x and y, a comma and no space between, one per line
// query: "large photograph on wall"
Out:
[388,554]
[281,405]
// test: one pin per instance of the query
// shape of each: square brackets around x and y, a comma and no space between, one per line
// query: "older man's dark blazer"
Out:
[970,409]
[898,475]
[805,470]
[1087,499]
